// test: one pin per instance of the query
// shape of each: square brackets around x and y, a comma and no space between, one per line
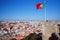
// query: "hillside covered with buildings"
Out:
[21,29]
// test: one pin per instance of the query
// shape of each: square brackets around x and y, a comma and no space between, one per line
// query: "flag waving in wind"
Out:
[39,6]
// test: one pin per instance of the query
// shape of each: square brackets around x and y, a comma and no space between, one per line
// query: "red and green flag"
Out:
[39,6]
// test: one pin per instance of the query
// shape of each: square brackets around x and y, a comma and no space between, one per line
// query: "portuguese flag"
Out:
[39,6]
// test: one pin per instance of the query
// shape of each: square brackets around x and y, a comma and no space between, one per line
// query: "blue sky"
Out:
[26,10]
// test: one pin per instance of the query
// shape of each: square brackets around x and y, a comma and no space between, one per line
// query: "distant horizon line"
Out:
[26,20]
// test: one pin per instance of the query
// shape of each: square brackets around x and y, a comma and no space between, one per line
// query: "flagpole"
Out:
[45,13]
[45,10]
